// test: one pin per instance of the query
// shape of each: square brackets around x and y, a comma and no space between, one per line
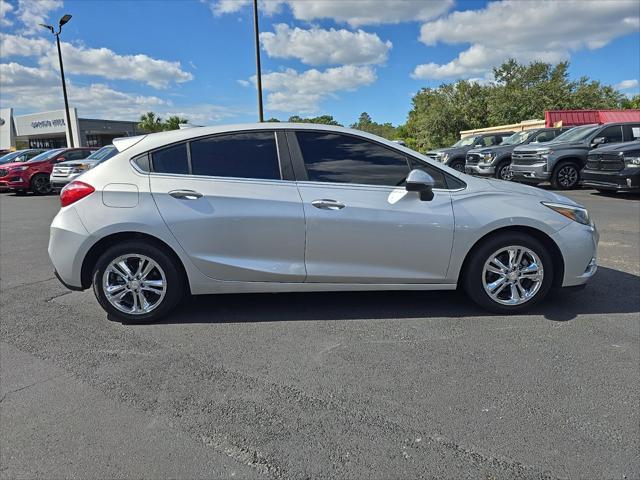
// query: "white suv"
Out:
[300,207]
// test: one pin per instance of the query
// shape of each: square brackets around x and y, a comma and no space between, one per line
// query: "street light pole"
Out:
[63,20]
[258,70]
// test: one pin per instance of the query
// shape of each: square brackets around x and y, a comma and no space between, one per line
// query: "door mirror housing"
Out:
[421,182]
[598,141]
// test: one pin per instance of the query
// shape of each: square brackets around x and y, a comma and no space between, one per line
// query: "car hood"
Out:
[495,149]
[16,164]
[514,187]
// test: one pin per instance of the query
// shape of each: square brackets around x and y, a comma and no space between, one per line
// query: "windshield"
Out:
[9,157]
[103,154]
[465,142]
[46,155]
[517,138]
[576,134]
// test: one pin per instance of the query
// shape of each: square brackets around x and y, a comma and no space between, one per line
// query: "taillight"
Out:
[75,191]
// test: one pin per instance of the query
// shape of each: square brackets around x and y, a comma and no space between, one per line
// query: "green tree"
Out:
[150,122]
[173,123]
[366,124]
[322,119]
[633,102]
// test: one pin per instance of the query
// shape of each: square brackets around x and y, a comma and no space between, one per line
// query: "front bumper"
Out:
[14,182]
[579,246]
[627,180]
[536,171]
[480,169]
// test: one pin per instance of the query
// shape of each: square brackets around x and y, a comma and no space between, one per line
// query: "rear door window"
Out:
[239,155]
[631,132]
[172,159]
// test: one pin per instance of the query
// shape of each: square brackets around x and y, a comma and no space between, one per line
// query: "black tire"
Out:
[40,185]
[503,171]
[175,281]
[473,282]
[457,165]
[566,176]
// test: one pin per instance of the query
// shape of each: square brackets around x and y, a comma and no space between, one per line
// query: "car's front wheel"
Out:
[137,282]
[566,176]
[508,273]
[503,171]
[40,184]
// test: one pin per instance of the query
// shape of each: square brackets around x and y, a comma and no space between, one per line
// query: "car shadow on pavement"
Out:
[611,291]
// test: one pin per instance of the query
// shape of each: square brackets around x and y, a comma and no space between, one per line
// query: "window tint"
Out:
[171,159]
[76,154]
[612,134]
[244,155]
[331,157]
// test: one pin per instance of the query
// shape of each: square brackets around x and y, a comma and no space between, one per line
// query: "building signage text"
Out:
[58,122]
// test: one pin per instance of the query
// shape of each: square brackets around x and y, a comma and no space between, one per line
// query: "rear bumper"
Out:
[621,181]
[69,242]
[537,171]
[482,170]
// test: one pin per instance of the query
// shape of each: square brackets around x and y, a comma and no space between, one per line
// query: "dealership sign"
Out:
[58,122]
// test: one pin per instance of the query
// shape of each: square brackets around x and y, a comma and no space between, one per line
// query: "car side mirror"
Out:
[421,182]
[598,141]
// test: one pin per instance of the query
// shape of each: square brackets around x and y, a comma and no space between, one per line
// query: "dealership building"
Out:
[49,130]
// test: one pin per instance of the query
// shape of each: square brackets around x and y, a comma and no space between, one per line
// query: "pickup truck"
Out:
[561,161]
[496,161]
[455,155]
[613,168]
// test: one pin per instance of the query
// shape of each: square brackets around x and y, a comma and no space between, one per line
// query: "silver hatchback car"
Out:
[301,207]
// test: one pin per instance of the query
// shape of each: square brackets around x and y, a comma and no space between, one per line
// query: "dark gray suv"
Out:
[455,155]
[496,161]
[560,161]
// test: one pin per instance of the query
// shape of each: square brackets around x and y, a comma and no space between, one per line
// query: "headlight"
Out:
[544,152]
[633,162]
[577,214]
[81,167]
[445,157]
[19,169]
[487,157]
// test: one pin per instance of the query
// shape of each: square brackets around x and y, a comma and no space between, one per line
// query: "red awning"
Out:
[572,118]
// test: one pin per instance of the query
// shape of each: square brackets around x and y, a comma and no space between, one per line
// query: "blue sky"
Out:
[195,58]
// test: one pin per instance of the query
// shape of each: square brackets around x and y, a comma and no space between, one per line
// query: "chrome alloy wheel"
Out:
[512,275]
[134,284]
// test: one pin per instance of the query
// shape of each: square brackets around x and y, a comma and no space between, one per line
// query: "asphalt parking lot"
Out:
[326,385]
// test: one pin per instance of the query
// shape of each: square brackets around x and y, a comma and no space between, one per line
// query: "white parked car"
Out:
[303,207]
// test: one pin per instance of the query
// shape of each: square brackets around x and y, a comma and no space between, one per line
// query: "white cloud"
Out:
[34,12]
[526,31]
[354,12]
[38,89]
[292,91]
[100,62]
[627,84]
[5,10]
[317,46]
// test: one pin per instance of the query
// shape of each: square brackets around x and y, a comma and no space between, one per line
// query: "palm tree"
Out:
[150,122]
[173,122]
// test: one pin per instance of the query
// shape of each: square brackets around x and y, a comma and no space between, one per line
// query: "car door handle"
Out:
[185,194]
[326,204]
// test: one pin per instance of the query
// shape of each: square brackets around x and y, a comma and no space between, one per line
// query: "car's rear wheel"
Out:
[137,282]
[508,273]
[566,176]
[503,171]
[40,184]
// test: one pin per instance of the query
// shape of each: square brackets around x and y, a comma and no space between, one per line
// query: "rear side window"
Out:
[171,159]
[337,158]
[242,155]
[631,132]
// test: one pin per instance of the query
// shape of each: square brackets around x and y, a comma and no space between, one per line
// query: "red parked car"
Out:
[33,175]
